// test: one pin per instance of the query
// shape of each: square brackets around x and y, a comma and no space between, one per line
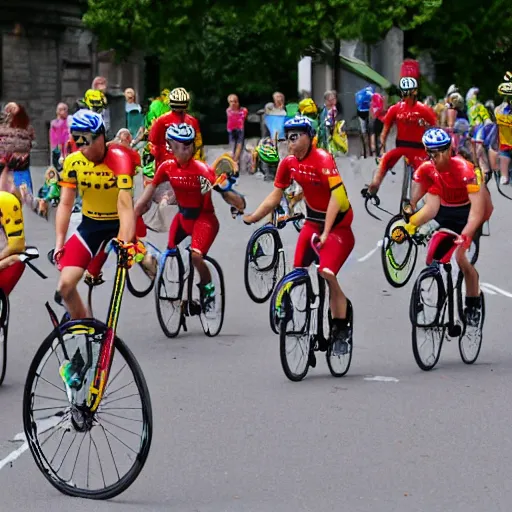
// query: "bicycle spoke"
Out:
[111,381]
[122,417]
[51,398]
[66,454]
[58,447]
[122,398]
[62,389]
[122,428]
[77,456]
[89,459]
[99,461]
[111,453]
[122,442]
[118,389]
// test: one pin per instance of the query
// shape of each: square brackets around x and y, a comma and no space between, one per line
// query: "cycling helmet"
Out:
[505,89]
[436,139]
[472,94]
[179,98]
[95,100]
[180,133]
[452,89]
[300,123]
[87,121]
[489,104]
[408,84]
[508,76]
[268,153]
[308,107]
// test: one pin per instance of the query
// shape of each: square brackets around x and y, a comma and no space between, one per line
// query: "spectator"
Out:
[59,135]
[124,138]
[363,100]
[276,108]
[100,83]
[378,110]
[134,118]
[236,122]
[328,116]
[16,137]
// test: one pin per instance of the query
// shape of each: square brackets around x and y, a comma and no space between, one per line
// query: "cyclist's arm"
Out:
[144,199]
[339,200]
[388,121]
[476,213]
[427,212]
[268,204]
[7,261]
[67,199]
[126,215]
[234,199]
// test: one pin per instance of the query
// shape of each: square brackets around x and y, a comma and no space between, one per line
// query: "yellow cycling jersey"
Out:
[504,121]
[97,183]
[11,221]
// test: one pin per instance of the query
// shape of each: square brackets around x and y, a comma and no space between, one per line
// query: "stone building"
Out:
[47,56]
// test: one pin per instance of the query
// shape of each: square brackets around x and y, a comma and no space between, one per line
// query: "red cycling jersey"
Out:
[160,125]
[452,185]
[186,183]
[318,175]
[411,122]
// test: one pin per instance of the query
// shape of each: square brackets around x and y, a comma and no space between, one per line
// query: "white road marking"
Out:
[42,426]
[380,378]
[371,253]
[491,288]
[487,290]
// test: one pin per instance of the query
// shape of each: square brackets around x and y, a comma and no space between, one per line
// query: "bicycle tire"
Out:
[345,367]
[304,330]
[218,269]
[4,328]
[437,323]
[389,265]
[460,306]
[406,185]
[30,426]
[139,293]
[272,269]
[274,322]
[177,297]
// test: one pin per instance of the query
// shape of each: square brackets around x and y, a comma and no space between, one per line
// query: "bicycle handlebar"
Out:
[282,223]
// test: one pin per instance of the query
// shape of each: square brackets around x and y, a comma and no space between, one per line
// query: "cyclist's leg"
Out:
[304,254]
[11,273]
[504,165]
[204,232]
[387,162]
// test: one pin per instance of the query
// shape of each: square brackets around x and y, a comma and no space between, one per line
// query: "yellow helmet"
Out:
[179,98]
[11,215]
[505,89]
[164,95]
[308,107]
[95,100]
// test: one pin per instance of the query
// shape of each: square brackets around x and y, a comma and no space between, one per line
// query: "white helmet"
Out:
[408,84]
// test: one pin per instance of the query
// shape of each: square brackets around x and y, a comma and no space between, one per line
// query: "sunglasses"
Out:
[293,137]
[84,138]
[433,154]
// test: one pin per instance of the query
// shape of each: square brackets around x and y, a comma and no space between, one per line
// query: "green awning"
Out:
[360,68]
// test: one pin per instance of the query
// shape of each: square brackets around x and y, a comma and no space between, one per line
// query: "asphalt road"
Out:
[232,434]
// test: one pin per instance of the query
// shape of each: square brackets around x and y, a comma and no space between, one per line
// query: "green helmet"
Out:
[268,153]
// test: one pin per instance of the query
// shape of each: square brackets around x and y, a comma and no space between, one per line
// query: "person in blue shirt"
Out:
[363,101]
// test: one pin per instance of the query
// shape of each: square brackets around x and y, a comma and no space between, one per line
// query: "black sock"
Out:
[473,302]
[340,323]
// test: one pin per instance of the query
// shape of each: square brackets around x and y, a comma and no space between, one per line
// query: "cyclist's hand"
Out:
[364,192]
[322,239]
[225,183]
[135,250]
[248,219]
[464,241]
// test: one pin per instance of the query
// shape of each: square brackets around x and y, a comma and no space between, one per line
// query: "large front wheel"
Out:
[86,454]
[4,325]
[212,312]
[427,312]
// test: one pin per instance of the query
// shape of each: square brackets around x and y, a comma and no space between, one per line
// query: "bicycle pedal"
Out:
[91,280]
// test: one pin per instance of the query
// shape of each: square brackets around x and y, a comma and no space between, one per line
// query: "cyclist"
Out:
[412,118]
[191,181]
[363,101]
[329,214]
[12,240]
[179,100]
[503,115]
[104,178]
[457,200]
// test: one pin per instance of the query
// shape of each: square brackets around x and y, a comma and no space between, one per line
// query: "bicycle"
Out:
[432,298]
[87,358]
[30,253]
[175,288]
[300,307]
[265,259]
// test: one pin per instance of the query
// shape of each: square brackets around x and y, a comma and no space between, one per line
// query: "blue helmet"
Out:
[300,123]
[436,139]
[87,121]
[182,132]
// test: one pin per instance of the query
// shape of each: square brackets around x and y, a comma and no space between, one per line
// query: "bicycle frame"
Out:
[106,354]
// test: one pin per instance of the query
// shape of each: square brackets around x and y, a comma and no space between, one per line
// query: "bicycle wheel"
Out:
[139,281]
[427,312]
[4,326]
[398,259]
[86,454]
[339,365]
[212,317]
[272,310]
[294,337]
[470,341]
[263,266]
[168,294]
